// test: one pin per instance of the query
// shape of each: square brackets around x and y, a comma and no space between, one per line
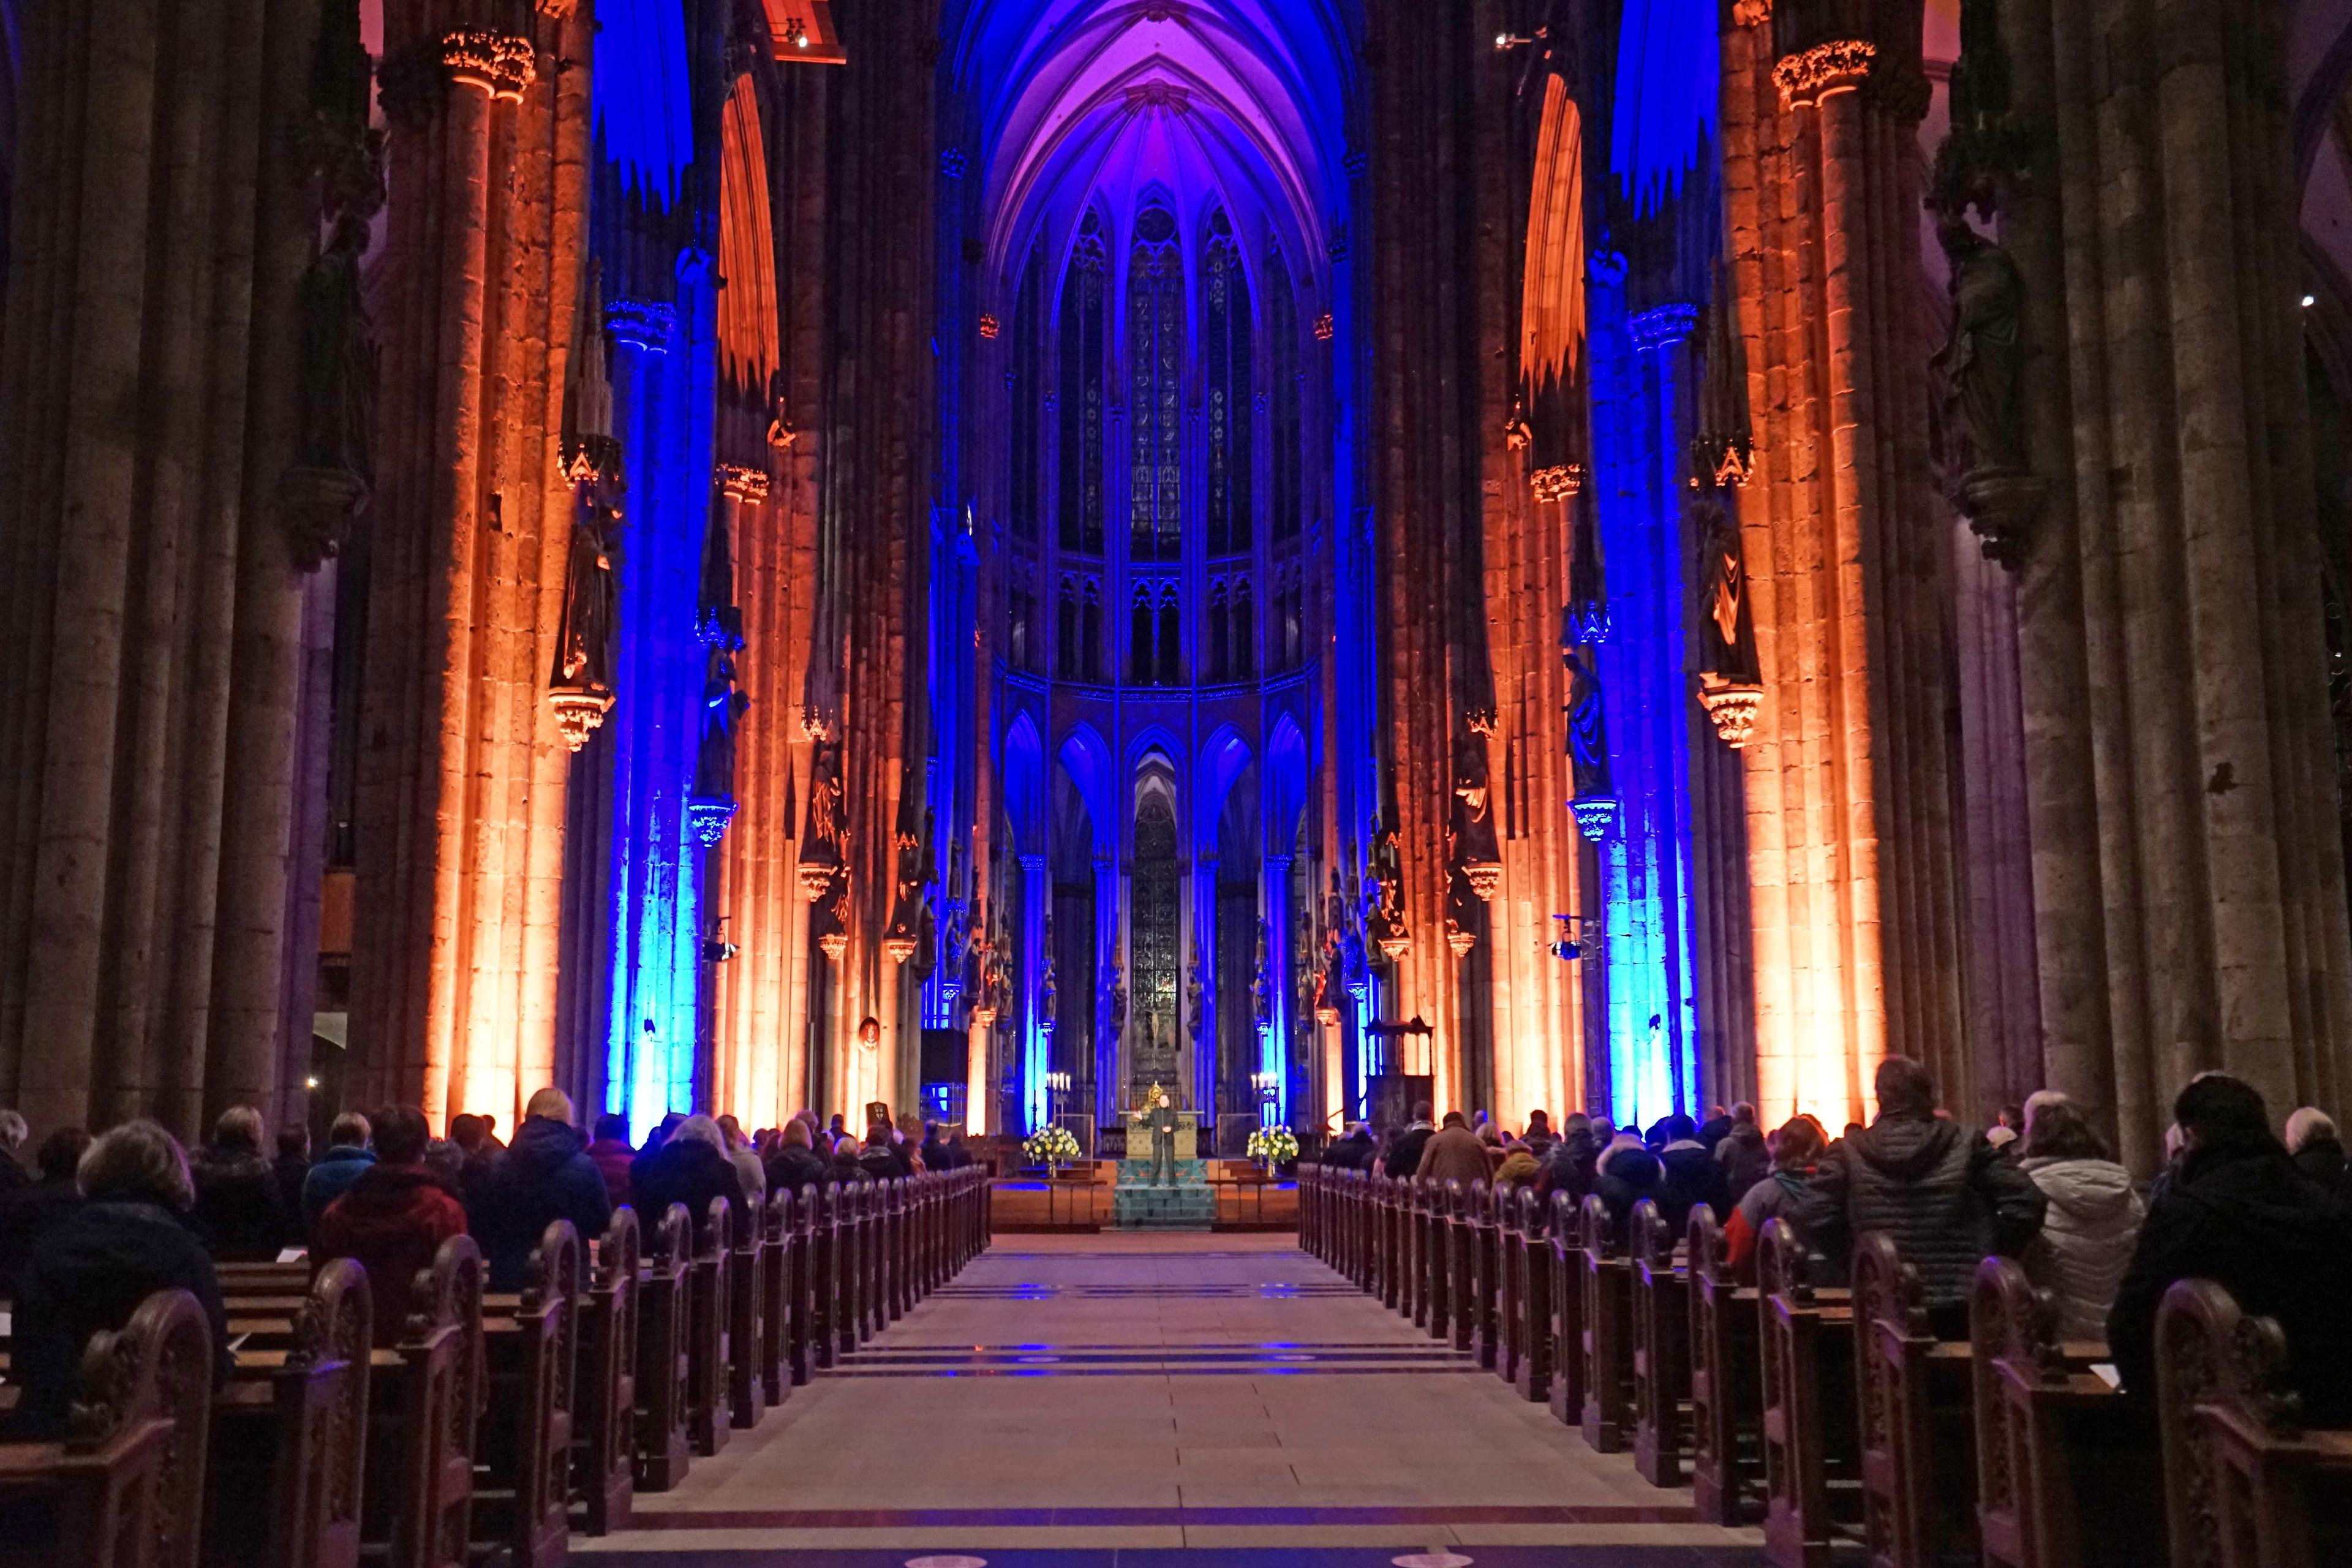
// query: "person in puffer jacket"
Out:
[2093,1222]
[1796,1151]
[1935,1188]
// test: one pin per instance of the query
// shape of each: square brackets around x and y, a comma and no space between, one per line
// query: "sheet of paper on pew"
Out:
[293,1254]
[2105,1371]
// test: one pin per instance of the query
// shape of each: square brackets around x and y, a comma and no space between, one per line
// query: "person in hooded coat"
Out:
[1796,1151]
[338,1169]
[2094,1218]
[692,1168]
[1404,1157]
[612,1153]
[2237,1212]
[1693,1174]
[241,1209]
[1937,1188]
[796,1164]
[392,1219]
[30,1213]
[1355,1152]
[1627,1172]
[127,1241]
[543,1175]
[2313,1145]
[1744,1160]
[1569,1167]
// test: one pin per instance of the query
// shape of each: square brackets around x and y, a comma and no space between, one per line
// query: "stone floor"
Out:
[1067,1401]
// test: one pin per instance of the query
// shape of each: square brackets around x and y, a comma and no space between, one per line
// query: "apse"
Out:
[1162,218]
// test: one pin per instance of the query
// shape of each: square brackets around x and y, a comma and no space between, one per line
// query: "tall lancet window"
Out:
[1155,349]
[1285,462]
[1226,368]
[1029,324]
[1082,390]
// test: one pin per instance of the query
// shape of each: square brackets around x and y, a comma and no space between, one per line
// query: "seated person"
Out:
[514,1194]
[692,1168]
[128,1239]
[30,1212]
[2237,1212]
[796,1164]
[393,1219]
[241,1209]
[346,1157]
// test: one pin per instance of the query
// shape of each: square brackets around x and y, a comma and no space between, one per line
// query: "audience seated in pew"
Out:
[128,1239]
[612,1153]
[690,1168]
[2318,1152]
[2093,1219]
[933,1151]
[1569,1164]
[545,1175]
[1403,1158]
[796,1164]
[292,1166]
[1939,1190]
[239,1210]
[1626,1173]
[393,1219]
[1743,1151]
[1453,1154]
[28,1213]
[13,1134]
[1796,1152]
[2237,1211]
[751,1171]
[347,1156]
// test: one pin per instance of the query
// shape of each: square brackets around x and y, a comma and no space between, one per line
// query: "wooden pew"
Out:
[1485,1276]
[1660,1319]
[1511,1289]
[662,1448]
[800,1324]
[424,1405]
[1726,1455]
[747,1299]
[849,1271]
[2065,1465]
[125,1487]
[706,1317]
[1461,1269]
[777,1243]
[1607,1344]
[523,1485]
[606,1417]
[1568,1311]
[1914,1417]
[1534,1372]
[1806,1361]
[289,1445]
[825,1344]
[1435,1309]
[2246,1484]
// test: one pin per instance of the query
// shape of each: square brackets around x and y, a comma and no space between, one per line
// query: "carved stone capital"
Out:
[1805,79]
[1751,13]
[1663,325]
[1733,705]
[642,324]
[742,484]
[499,63]
[2002,506]
[1556,484]
[318,506]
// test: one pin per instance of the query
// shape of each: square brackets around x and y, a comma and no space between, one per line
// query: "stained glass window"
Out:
[1153,941]
[1028,394]
[1155,335]
[1226,370]
[1285,461]
[1082,390]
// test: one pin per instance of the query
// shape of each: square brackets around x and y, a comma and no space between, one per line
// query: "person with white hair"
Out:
[13,1134]
[126,1242]
[240,1208]
[2312,1143]
[692,1168]
[543,1175]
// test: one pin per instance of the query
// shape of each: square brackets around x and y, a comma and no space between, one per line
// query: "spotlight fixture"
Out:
[1506,41]
[1566,949]
[715,948]
[2309,301]
[309,1083]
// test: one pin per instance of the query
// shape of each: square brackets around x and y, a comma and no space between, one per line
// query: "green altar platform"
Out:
[1188,1202]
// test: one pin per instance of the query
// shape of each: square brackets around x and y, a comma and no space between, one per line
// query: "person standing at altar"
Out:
[1163,1140]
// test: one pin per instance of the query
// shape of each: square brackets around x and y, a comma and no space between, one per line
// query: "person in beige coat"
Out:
[2093,1221]
[1454,1153]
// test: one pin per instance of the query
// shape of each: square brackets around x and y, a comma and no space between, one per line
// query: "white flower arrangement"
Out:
[1274,1145]
[1051,1147]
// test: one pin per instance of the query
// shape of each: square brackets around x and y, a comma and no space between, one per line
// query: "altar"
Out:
[1149,1198]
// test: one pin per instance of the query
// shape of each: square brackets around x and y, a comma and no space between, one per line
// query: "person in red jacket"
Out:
[393,1219]
[1796,1149]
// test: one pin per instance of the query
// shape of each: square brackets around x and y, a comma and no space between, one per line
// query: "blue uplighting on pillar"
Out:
[663,380]
[644,109]
[1668,71]
[1642,404]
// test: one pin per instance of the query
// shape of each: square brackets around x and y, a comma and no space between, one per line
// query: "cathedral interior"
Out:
[989,555]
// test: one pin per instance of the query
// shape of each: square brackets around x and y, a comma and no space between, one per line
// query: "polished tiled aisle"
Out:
[1069,1399]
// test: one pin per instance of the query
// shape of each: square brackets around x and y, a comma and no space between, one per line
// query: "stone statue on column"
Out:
[1117,997]
[1192,993]
[1587,738]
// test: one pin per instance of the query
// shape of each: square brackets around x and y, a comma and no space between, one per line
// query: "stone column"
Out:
[1204,932]
[1110,1085]
[1855,906]
[151,393]
[1036,1056]
[2188,868]
[1273,1052]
